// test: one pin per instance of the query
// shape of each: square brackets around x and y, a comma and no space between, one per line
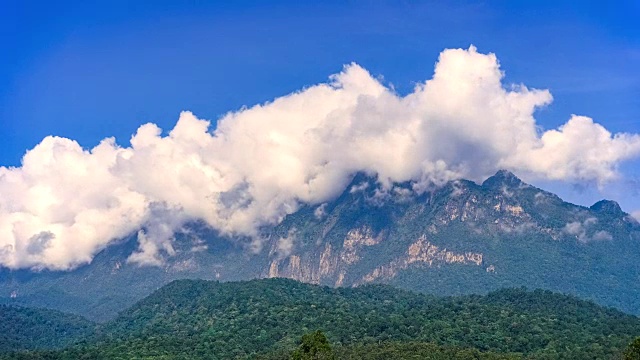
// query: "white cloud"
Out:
[602,235]
[359,187]
[65,203]
[156,239]
[321,211]
[284,245]
[581,231]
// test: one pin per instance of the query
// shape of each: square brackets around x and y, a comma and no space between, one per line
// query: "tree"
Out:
[633,350]
[314,346]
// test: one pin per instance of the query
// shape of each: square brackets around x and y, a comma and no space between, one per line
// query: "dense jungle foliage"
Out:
[266,318]
[26,328]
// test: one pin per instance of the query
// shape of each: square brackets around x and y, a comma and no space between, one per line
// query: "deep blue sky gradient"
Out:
[93,69]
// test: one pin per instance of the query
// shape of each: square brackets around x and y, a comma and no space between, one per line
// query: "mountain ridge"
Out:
[458,238]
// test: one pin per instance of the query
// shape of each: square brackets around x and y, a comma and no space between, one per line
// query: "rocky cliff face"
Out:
[460,238]
[334,264]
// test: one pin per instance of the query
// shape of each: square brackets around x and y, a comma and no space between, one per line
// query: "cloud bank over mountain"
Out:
[66,203]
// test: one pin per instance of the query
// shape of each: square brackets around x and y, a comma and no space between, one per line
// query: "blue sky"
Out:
[90,70]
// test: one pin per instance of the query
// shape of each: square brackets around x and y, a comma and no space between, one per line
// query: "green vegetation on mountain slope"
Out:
[315,346]
[26,328]
[200,319]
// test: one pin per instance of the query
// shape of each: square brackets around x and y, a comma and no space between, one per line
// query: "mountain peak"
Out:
[607,206]
[502,178]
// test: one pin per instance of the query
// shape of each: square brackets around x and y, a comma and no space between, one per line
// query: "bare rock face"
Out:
[332,263]
[422,252]
[460,237]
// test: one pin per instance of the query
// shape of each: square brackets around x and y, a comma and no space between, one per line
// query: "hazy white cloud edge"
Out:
[65,203]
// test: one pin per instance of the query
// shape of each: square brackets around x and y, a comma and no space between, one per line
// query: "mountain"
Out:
[109,284]
[465,237]
[458,238]
[192,319]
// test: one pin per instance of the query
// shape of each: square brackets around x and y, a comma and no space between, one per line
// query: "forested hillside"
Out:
[201,319]
[26,328]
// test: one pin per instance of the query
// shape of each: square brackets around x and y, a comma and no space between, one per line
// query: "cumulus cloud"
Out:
[155,240]
[66,203]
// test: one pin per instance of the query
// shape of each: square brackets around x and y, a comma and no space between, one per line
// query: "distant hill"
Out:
[25,328]
[191,319]
[458,238]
